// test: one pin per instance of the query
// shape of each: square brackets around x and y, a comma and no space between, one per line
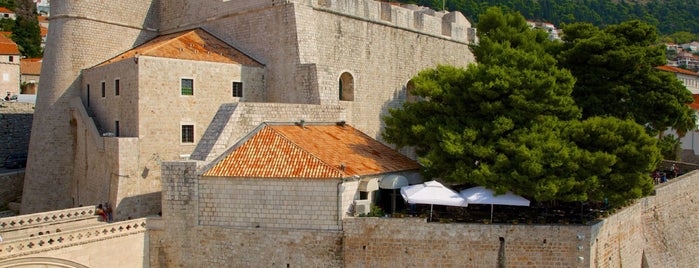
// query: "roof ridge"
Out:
[280,134]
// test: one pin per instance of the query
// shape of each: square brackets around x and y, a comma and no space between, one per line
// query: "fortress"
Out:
[112,105]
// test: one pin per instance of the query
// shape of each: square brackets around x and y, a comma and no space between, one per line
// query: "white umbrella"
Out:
[482,195]
[432,193]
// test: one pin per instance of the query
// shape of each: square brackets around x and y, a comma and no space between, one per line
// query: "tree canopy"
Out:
[510,122]
[616,76]
[26,32]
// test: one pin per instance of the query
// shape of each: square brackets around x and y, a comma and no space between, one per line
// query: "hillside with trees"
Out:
[668,16]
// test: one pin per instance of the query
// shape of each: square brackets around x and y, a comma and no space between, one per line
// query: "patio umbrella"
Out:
[432,193]
[482,195]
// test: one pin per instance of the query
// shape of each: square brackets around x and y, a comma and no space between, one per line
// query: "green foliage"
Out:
[375,211]
[616,76]
[6,25]
[669,147]
[510,123]
[9,4]
[27,34]
[669,16]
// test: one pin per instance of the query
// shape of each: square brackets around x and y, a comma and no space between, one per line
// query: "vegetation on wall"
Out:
[511,121]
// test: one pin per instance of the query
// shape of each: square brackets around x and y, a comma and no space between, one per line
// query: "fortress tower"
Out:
[112,104]
[82,34]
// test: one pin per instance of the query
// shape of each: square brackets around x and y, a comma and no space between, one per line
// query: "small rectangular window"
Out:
[187,86]
[238,89]
[104,88]
[88,95]
[116,87]
[187,133]
[116,128]
[12,58]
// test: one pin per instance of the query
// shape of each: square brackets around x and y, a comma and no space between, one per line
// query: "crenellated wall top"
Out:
[422,19]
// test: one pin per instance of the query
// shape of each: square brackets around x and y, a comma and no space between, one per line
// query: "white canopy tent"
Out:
[482,195]
[432,193]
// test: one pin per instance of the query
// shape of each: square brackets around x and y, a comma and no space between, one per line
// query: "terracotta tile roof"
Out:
[695,105]
[44,31]
[5,10]
[31,66]
[7,46]
[195,44]
[676,70]
[315,151]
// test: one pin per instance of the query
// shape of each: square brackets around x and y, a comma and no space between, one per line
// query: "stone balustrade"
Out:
[51,217]
[33,245]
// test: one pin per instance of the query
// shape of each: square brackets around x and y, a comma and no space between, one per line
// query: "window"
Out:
[346,87]
[187,86]
[187,133]
[88,95]
[238,89]
[116,87]
[103,90]
[116,128]
[12,58]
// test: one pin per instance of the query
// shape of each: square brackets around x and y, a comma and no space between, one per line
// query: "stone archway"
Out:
[40,262]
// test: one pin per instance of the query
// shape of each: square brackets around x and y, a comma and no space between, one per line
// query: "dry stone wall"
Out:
[15,126]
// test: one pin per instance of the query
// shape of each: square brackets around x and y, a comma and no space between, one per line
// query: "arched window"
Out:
[409,96]
[346,87]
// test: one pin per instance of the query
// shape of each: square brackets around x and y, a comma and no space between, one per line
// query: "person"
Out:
[675,171]
[100,211]
[663,177]
[656,177]
[108,210]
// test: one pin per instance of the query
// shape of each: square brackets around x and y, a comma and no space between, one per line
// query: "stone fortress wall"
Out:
[656,231]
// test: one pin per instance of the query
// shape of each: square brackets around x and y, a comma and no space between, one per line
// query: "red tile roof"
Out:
[5,10]
[695,105]
[315,151]
[677,70]
[31,66]
[195,44]
[7,46]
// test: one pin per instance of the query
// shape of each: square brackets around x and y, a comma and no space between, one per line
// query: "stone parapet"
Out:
[452,25]
[55,241]
[51,217]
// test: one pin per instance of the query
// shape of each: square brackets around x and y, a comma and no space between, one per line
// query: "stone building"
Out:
[126,86]
[9,66]
[30,72]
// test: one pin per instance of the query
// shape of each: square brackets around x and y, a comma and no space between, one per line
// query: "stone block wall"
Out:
[670,223]
[413,242]
[10,187]
[15,127]
[269,203]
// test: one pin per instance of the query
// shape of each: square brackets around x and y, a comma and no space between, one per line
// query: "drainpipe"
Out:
[340,189]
